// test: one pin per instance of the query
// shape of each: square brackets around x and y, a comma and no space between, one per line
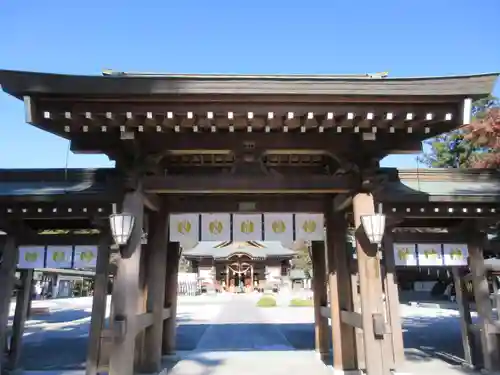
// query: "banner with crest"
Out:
[85,257]
[216,227]
[247,227]
[59,257]
[455,254]
[309,227]
[31,257]
[405,254]
[278,227]
[184,227]
[429,254]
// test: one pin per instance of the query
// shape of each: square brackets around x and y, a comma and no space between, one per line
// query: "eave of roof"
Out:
[20,83]
[403,185]
[213,250]
[442,185]
[38,184]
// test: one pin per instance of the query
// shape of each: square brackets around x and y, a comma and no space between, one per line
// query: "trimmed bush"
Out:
[266,301]
[298,302]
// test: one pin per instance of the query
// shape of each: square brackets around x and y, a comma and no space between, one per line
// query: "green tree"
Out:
[471,146]
[449,150]
[302,259]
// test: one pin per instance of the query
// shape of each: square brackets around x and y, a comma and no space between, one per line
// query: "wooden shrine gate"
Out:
[222,143]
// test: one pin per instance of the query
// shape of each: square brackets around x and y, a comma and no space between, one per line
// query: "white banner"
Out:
[429,254]
[309,227]
[247,227]
[31,257]
[59,256]
[215,227]
[184,227]
[405,254]
[85,257]
[455,254]
[278,227]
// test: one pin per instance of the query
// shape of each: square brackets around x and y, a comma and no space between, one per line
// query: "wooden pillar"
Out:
[22,305]
[468,342]
[356,304]
[7,282]
[170,325]
[392,303]
[320,298]
[156,271]
[141,304]
[126,294]
[489,340]
[339,278]
[370,282]
[98,303]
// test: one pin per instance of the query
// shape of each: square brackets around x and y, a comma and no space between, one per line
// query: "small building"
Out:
[234,264]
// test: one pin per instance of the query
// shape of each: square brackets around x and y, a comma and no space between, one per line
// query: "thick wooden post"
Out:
[339,277]
[141,304]
[392,303]
[7,282]
[22,304]
[98,304]
[156,271]
[320,298]
[468,342]
[125,295]
[170,324]
[370,282]
[356,304]
[489,339]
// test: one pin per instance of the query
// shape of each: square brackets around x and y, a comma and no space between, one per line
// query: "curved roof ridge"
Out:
[110,74]
[379,75]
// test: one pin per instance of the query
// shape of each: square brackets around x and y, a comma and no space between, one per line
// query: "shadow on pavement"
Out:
[65,348]
[209,365]
[430,338]
[54,342]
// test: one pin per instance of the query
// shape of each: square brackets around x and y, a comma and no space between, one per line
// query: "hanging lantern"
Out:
[122,225]
[374,227]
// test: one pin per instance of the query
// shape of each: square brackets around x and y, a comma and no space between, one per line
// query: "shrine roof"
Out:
[224,250]
[418,185]
[22,83]
[442,185]
[41,184]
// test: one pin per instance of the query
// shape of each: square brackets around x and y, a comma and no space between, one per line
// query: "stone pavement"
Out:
[240,340]
[228,333]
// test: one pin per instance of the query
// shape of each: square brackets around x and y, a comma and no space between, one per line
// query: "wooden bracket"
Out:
[379,326]
[351,318]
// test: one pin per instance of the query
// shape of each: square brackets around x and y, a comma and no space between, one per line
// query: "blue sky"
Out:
[404,37]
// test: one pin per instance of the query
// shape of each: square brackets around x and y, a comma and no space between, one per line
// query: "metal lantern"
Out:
[122,225]
[374,227]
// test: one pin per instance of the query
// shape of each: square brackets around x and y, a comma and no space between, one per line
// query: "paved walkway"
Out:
[240,340]
[225,334]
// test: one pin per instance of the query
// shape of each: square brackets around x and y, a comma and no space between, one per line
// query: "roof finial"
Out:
[378,75]
[111,72]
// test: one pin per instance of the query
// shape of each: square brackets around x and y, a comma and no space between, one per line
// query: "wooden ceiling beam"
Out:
[257,184]
[246,203]
[206,143]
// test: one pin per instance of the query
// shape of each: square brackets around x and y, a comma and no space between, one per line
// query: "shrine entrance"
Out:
[240,273]
[213,144]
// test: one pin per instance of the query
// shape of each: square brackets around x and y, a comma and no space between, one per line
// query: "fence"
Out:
[188,288]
